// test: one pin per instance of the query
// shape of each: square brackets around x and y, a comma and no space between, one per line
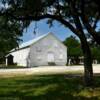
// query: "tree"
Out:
[74,49]
[95,48]
[76,15]
[96,53]
[10,33]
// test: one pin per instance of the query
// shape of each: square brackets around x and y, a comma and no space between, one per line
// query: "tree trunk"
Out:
[88,71]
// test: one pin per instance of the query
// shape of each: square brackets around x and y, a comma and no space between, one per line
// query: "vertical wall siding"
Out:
[20,56]
[39,51]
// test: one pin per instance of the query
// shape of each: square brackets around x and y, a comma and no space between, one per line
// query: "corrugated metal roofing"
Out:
[32,41]
[26,44]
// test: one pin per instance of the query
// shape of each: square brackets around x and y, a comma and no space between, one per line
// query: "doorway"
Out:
[51,60]
[10,60]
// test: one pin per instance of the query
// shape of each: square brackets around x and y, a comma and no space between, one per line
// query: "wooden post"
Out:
[6,61]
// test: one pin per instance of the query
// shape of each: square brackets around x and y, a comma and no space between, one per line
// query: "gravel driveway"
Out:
[45,70]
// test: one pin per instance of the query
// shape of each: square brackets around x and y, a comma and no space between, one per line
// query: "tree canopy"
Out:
[96,53]
[79,16]
[10,33]
[73,45]
[83,12]
[73,49]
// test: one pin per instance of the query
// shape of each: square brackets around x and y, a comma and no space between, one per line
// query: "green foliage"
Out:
[73,47]
[10,33]
[73,14]
[96,53]
[71,42]
[62,8]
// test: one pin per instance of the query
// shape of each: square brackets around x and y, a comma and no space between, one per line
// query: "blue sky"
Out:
[58,30]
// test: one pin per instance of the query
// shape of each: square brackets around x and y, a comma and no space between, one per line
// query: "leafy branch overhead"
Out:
[10,33]
[85,12]
[79,16]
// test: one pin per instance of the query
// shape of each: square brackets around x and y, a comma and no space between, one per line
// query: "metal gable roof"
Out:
[26,44]
[32,41]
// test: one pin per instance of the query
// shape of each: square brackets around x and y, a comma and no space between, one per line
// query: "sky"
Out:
[58,30]
[43,28]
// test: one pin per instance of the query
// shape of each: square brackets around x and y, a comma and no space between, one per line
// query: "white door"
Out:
[50,57]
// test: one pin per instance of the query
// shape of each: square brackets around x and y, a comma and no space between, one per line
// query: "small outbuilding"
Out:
[42,51]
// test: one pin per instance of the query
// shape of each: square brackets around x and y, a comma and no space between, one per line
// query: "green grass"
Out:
[50,87]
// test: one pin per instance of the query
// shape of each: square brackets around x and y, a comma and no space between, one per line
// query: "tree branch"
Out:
[77,20]
[96,20]
[90,29]
[40,17]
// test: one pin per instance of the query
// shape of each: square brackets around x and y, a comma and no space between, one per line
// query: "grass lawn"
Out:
[48,87]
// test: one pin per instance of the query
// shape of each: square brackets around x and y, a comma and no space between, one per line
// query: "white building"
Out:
[41,51]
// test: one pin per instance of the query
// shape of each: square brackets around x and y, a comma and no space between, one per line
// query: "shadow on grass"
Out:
[55,87]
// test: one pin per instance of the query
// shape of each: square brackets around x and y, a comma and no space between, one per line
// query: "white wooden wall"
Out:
[20,56]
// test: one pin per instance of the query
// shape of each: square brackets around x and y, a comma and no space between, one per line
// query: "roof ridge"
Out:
[30,42]
[35,39]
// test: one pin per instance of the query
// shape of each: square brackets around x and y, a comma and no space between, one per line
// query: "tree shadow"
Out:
[55,87]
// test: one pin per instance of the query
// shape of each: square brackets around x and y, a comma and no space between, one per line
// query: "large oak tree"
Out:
[77,15]
[10,33]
